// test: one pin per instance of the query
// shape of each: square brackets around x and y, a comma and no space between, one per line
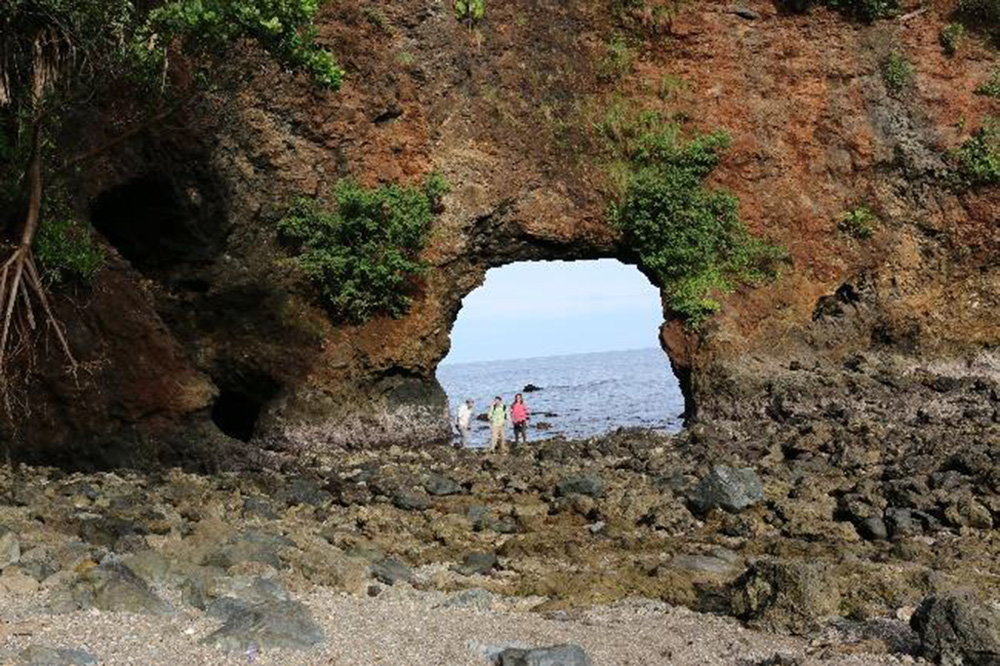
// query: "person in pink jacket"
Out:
[519,416]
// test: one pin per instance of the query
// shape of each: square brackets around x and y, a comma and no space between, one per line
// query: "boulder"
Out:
[41,655]
[477,563]
[285,624]
[590,486]
[556,655]
[390,571]
[407,500]
[112,586]
[729,488]
[956,629]
[787,597]
[439,485]
[10,550]
[873,528]
[530,388]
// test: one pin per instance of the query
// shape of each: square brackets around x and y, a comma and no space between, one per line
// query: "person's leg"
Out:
[495,435]
[503,439]
[465,437]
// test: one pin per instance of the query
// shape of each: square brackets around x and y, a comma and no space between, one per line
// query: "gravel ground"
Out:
[408,627]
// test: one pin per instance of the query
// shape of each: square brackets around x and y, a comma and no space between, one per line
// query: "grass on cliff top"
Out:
[361,248]
[688,235]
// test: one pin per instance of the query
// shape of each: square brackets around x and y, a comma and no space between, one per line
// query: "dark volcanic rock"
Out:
[557,655]
[439,485]
[408,500]
[956,629]
[531,388]
[477,563]
[728,488]
[873,529]
[591,486]
[390,571]
[286,624]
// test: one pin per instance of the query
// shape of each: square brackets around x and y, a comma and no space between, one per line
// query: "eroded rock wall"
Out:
[900,329]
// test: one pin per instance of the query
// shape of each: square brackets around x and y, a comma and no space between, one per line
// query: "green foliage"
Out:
[977,160]
[951,38]
[66,249]
[897,72]
[861,10]
[991,88]
[689,236]
[283,28]
[617,60]
[362,252]
[470,11]
[858,222]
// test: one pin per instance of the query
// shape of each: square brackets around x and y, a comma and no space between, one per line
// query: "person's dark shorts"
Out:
[521,428]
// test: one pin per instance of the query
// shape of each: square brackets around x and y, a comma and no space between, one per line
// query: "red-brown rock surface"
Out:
[852,328]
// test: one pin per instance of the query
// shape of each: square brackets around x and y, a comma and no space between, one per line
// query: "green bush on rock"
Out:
[361,252]
[897,72]
[689,236]
[977,160]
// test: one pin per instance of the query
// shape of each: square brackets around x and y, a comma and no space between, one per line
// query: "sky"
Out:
[549,308]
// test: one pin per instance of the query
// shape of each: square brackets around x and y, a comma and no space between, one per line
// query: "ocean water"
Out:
[582,395]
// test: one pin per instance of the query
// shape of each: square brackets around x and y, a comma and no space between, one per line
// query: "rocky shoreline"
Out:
[617,545]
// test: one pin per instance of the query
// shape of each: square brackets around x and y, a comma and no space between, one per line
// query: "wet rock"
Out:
[956,629]
[477,564]
[40,655]
[589,486]
[408,500]
[10,550]
[728,488]
[390,571]
[530,388]
[112,586]
[286,624]
[439,485]
[557,655]
[792,597]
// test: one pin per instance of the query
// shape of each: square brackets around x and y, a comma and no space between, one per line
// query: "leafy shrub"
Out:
[690,237]
[470,11]
[897,72]
[617,60]
[977,160]
[859,222]
[991,88]
[951,37]
[362,252]
[66,250]
[284,28]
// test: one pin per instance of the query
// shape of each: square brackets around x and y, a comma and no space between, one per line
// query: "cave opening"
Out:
[156,225]
[243,395]
[580,340]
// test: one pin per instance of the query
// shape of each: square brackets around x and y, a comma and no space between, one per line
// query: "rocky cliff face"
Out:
[198,336]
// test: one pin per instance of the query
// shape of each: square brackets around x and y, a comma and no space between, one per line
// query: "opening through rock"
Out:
[155,225]
[242,397]
[585,334]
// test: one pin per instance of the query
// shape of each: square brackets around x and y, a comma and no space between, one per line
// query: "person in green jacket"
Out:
[498,424]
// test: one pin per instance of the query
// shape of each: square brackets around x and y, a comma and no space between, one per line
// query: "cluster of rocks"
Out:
[787,544]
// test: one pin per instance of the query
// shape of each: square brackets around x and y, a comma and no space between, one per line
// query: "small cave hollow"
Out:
[242,398]
[579,339]
[154,226]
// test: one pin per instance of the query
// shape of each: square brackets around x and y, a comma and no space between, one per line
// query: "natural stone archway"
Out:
[586,332]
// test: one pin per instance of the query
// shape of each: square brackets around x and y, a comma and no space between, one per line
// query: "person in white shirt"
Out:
[463,421]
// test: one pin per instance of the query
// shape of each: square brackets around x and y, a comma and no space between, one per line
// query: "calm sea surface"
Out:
[581,395]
